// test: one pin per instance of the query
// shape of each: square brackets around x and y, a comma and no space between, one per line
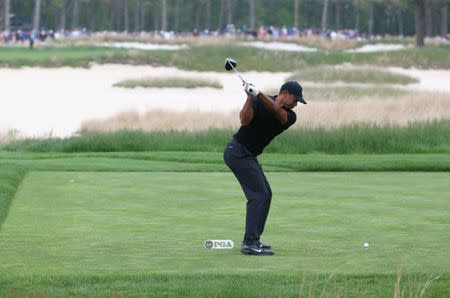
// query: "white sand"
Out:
[39,102]
[279,46]
[370,48]
[145,46]
[283,46]
[429,80]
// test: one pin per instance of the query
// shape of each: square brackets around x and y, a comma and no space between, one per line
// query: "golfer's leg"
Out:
[252,182]
[266,205]
[247,171]
[256,205]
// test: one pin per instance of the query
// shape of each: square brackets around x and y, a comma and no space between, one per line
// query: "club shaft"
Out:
[237,72]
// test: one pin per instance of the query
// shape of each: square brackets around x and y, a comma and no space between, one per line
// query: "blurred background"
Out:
[69,67]
[337,19]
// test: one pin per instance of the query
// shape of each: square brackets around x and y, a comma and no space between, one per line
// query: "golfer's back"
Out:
[264,126]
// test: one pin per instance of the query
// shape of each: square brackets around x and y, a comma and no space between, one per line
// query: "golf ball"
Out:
[366,245]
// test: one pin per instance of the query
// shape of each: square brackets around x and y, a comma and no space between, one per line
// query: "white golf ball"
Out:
[366,245]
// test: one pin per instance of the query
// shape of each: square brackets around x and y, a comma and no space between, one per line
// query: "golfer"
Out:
[262,119]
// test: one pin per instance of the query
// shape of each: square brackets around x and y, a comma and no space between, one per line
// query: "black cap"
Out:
[294,88]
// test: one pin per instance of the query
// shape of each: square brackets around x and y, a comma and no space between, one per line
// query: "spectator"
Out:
[261,32]
[32,38]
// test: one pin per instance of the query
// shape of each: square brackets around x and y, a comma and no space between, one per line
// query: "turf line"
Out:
[11,176]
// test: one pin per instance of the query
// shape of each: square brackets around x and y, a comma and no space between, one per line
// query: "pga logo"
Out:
[218,244]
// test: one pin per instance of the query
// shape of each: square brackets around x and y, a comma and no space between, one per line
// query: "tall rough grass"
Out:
[351,74]
[325,43]
[414,288]
[399,111]
[322,93]
[163,120]
[8,136]
[420,137]
[325,109]
[169,82]
[203,285]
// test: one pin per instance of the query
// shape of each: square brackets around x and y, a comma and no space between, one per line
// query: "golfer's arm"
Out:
[273,107]
[246,114]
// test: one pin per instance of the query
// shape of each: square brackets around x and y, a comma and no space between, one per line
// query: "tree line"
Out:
[376,17]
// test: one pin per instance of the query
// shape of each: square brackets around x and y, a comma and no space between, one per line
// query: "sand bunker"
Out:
[291,47]
[371,48]
[45,101]
[279,46]
[145,46]
[42,102]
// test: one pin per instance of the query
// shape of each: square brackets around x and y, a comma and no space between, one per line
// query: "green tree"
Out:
[37,15]
[252,20]
[296,13]
[324,15]
[7,13]
[444,17]
[420,22]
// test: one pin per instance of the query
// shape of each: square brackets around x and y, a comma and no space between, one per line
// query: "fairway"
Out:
[120,121]
[95,223]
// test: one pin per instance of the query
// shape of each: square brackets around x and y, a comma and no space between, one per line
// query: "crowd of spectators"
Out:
[266,33]
[29,37]
[25,36]
[261,33]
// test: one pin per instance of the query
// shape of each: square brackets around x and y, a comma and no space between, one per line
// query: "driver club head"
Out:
[230,63]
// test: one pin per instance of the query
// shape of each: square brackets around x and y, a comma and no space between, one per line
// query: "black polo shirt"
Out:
[264,126]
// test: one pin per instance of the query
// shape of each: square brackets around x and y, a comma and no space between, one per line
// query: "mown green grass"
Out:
[109,234]
[10,178]
[223,285]
[54,57]
[351,75]
[421,137]
[182,161]
[97,223]
[211,57]
[65,206]
[76,56]
[171,82]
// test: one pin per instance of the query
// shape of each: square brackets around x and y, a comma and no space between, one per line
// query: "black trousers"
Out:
[254,183]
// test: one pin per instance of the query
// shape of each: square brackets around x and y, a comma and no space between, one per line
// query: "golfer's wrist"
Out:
[255,91]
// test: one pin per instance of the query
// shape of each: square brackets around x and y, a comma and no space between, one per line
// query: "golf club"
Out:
[230,64]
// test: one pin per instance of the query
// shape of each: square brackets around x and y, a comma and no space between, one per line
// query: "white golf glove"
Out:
[251,89]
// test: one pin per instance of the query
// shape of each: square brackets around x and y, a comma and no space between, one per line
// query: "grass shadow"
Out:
[10,178]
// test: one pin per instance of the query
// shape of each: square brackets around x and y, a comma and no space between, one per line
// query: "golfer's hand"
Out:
[251,89]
